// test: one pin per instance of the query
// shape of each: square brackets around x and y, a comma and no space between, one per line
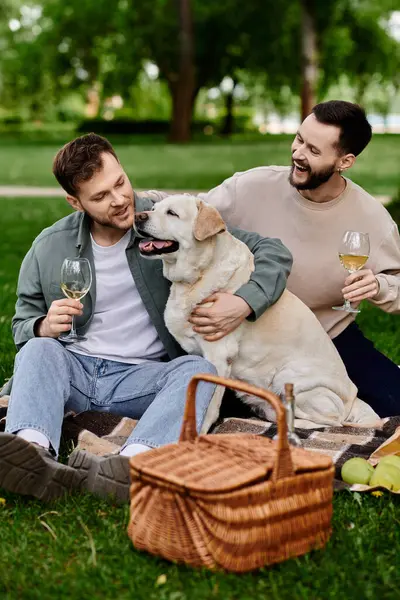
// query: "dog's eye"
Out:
[172,213]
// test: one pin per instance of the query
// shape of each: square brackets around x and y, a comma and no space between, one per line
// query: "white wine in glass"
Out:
[76,279]
[353,254]
[72,293]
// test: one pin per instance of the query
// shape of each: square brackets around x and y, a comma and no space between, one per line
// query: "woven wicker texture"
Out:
[235,502]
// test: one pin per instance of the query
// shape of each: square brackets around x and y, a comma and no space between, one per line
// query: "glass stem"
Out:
[347,304]
[73,330]
[290,416]
[289,405]
[293,438]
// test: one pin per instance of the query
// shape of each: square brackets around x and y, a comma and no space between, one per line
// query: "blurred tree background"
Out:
[178,66]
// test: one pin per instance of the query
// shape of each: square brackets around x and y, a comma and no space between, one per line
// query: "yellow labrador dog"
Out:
[286,344]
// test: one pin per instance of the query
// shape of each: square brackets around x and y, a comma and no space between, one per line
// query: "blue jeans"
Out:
[375,375]
[49,380]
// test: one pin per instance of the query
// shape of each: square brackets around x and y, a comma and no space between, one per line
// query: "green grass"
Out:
[86,554]
[151,163]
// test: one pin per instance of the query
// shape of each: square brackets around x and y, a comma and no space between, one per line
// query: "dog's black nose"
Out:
[141,217]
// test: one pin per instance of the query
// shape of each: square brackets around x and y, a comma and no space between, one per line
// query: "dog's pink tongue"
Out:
[160,244]
[148,245]
[145,245]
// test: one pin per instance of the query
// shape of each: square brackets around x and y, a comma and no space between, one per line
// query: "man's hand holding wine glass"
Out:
[353,254]
[76,279]
[360,286]
[59,318]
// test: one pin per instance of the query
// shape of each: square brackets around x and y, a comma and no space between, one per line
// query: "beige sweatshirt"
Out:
[263,200]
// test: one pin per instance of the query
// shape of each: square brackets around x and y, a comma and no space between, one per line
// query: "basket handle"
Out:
[283,466]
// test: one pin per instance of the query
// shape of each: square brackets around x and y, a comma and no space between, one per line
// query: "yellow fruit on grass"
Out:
[357,470]
[391,460]
[386,475]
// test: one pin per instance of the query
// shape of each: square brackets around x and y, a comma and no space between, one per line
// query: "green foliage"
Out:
[82,45]
[72,45]
[355,41]
[89,45]
[147,99]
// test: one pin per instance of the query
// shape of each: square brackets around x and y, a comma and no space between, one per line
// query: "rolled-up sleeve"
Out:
[272,265]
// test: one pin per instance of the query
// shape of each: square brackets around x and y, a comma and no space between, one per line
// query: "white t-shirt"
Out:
[121,328]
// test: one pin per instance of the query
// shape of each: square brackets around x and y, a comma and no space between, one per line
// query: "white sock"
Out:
[133,449]
[32,435]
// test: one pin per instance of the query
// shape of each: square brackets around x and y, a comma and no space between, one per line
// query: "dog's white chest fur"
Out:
[223,276]
[177,313]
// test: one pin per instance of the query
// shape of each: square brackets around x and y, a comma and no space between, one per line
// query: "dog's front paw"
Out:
[210,418]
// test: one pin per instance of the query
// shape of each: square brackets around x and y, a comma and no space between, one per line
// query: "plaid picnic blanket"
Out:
[103,433]
[340,443]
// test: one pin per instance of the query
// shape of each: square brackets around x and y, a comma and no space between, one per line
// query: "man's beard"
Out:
[107,222]
[315,179]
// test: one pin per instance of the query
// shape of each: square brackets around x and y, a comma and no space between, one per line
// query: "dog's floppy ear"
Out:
[208,222]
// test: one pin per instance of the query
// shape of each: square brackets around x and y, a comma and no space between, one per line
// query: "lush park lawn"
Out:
[151,163]
[87,555]
[77,548]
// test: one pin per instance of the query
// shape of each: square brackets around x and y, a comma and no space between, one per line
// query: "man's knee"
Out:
[37,348]
[196,364]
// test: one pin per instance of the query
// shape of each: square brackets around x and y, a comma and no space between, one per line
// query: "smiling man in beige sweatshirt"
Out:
[309,206]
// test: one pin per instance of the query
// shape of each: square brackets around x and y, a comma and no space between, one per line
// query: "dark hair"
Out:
[355,131]
[78,160]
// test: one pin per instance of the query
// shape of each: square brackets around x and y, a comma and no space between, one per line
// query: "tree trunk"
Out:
[183,97]
[309,60]
[227,128]
[361,88]
[182,85]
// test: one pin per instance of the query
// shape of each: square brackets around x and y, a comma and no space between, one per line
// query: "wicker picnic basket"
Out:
[230,501]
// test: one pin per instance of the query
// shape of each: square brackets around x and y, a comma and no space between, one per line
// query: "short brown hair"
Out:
[78,160]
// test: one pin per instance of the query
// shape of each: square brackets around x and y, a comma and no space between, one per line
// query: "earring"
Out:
[340,171]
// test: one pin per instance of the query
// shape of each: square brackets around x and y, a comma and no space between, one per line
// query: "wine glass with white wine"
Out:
[76,279]
[353,254]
